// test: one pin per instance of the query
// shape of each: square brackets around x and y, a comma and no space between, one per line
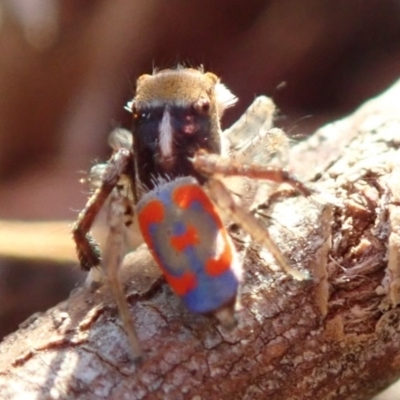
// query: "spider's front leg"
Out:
[226,202]
[256,121]
[211,164]
[87,249]
[252,137]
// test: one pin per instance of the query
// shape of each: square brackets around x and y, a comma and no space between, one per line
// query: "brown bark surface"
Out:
[336,336]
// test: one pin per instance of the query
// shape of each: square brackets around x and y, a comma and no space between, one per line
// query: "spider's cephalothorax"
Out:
[176,113]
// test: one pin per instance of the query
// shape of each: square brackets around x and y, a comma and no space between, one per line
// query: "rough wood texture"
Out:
[335,337]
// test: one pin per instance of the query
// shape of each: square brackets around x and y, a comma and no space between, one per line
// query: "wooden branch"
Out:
[335,337]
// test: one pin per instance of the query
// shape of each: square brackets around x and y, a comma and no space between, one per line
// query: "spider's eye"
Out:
[139,115]
[202,106]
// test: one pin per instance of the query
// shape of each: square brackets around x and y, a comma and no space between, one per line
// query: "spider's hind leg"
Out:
[122,191]
[113,256]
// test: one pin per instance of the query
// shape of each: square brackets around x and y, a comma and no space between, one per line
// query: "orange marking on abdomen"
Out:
[183,284]
[152,212]
[184,196]
[188,238]
[218,266]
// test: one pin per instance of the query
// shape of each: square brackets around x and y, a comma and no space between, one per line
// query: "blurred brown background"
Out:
[67,68]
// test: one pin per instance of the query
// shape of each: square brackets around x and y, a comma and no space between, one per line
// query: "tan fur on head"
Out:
[182,87]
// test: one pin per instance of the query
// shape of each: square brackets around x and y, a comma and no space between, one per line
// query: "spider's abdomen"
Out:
[188,240]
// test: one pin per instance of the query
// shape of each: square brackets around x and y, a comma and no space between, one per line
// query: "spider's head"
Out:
[176,112]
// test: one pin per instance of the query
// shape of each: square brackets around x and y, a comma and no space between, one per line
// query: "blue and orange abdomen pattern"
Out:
[189,242]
